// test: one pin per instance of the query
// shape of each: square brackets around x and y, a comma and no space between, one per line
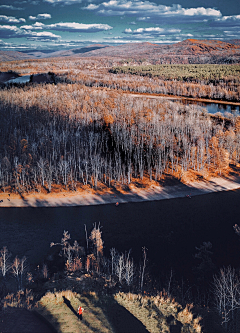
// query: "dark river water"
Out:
[170,229]
[215,107]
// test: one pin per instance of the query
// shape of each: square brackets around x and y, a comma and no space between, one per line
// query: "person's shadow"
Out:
[68,303]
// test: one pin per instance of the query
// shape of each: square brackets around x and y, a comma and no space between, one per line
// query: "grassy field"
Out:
[183,72]
[60,309]
[123,313]
[160,313]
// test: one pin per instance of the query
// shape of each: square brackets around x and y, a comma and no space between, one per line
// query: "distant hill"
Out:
[13,55]
[187,51]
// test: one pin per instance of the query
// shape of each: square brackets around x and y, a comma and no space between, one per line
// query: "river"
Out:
[216,107]
[170,229]
[211,107]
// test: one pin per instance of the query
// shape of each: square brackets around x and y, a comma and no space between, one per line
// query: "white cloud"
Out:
[11,19]
[40,17]
[119,40]
[66,2]
[227,21]
[35,26]
[150,34]
[10,7]
[8,31]
[79,27]
[43,36]
[152,31]
[68,26]
[92,6]
[151,10]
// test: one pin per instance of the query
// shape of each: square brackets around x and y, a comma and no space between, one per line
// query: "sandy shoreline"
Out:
[86,198]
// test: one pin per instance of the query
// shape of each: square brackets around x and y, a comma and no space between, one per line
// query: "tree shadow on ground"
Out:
[121,319]
[69,305]
[23,320]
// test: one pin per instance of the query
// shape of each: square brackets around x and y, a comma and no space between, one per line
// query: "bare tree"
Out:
[96,238]
[144,249]
[4,261]
[45,271]
[66,246]
[129,270]
[226,290]
[113,254]
[120,268]
[237,229]
[18,269]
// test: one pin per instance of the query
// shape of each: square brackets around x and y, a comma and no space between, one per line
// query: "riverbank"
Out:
[175,97]
[133,194]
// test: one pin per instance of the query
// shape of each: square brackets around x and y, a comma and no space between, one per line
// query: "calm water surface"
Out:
[170,229]
[215,107]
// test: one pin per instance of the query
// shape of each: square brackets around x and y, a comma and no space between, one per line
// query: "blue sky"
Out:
[63,24]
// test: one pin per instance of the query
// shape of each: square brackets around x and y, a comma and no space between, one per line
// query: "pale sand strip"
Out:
[135,195]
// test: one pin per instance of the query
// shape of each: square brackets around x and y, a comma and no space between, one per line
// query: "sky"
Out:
[51,25]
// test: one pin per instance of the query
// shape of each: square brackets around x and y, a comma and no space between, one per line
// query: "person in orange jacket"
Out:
[80,312]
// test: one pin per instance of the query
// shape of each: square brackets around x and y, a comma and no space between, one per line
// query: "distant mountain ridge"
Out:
[187,51]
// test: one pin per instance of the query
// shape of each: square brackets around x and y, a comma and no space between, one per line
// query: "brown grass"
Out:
[53,307]
[154,311]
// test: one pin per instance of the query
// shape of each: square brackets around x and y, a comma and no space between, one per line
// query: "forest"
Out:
[86,129]
[70,135]
[207,73]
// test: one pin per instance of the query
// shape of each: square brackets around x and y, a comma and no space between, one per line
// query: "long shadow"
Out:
[122,320]
[23,320]
[69,305]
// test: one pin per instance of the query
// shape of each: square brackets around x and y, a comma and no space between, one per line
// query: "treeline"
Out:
[198,81]
[69,135]
[195,73]
[227,90]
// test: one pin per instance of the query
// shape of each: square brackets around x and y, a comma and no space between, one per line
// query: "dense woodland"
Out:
[208,73]
[70,135]
[204,77]
[219,89]
[219,82]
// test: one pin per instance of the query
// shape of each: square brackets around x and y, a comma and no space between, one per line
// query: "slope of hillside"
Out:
[122,312]
[60,309]
[14,55]
[188,51]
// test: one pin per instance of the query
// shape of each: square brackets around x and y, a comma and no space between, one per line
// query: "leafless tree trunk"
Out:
[113,254]
[226,289]
[129,271]
[143,267]
[4,261]
[120,268]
